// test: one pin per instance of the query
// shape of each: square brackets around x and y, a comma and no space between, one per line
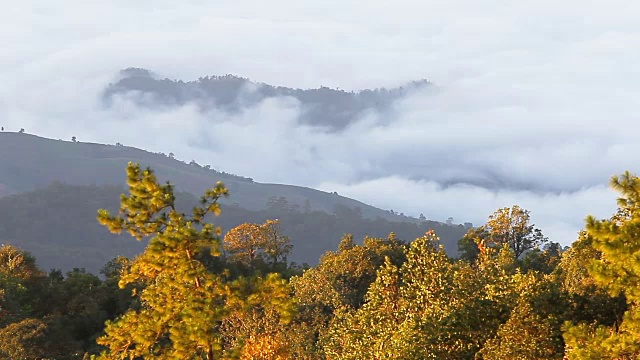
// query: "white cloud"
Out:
[533,95]
[559,215]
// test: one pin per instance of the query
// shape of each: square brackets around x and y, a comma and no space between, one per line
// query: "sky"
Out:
[540,96]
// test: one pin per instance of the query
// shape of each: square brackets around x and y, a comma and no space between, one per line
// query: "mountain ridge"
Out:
[332,109]
[52,189]
[32,161]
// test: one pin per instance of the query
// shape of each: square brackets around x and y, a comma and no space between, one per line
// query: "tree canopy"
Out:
[192,294]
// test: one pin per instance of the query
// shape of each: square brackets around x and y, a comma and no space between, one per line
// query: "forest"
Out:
[57,225]
[194,293]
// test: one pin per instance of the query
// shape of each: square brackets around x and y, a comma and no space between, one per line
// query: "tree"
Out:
[277,246]
[342,278]
[245,244]
[339,282]
[542,260]
[259,329]
[278,204]
[617,270]
[588,302]
[73,138]
[356,335]
[19,276]
[525,336]
[26,339]
[32,322]
[251,243]
[468,249]
[429,308]
[510,226]
[21,131]
[533,330]
[182,303]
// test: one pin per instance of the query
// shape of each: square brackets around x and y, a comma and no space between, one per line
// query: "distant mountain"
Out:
[50,191]
[29,162]
[331,108]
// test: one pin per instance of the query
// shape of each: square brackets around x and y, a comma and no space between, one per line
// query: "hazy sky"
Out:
[539,95]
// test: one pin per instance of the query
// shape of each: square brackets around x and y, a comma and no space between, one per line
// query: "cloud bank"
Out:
[535,103]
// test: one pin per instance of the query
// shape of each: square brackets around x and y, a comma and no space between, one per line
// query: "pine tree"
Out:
[182,304]
[617,271]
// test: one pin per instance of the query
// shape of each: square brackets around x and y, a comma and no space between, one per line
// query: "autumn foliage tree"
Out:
[244,243]
[249,243]
[427,308]
[510,226]
[18,276]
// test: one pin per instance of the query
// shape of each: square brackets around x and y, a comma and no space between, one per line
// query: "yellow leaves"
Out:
[17,263]
[611,246]
[10,258]
[430,307]
[244,241]
[509,226]
[258,324]
[266,347]
[247,243]
[526,335]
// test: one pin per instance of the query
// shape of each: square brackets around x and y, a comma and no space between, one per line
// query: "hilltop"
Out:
[30,162]
[52,190]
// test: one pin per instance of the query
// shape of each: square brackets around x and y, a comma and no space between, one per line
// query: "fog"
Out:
[533,104]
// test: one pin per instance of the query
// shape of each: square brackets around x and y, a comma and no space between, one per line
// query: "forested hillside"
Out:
[198,293]
[57,224]
[325,107]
